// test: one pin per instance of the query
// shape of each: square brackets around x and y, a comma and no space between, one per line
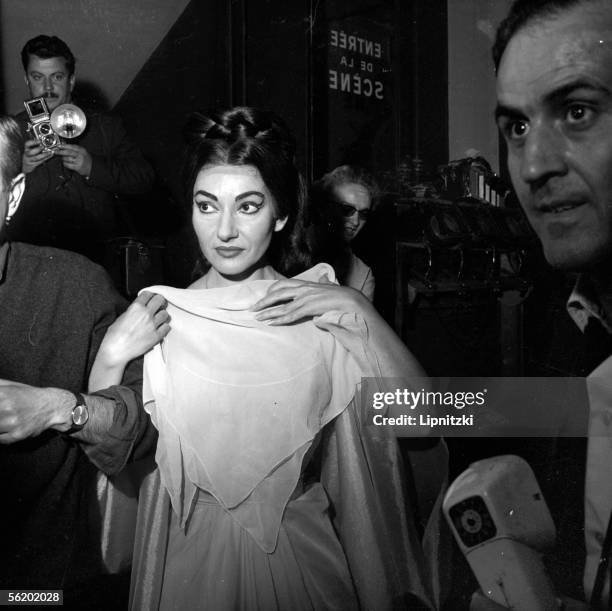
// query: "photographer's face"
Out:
[49,78]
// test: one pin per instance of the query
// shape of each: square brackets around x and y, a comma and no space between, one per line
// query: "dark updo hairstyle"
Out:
[248,136]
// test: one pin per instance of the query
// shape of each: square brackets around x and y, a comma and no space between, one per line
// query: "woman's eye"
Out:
[249,207]
[204,207]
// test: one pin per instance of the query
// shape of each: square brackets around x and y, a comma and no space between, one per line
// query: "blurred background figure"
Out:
[342,201]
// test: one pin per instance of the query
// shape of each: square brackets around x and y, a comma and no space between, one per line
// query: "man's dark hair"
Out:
[521,13]
[46,47]
[11,149]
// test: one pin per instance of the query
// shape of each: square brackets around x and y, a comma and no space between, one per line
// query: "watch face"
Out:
[80,415]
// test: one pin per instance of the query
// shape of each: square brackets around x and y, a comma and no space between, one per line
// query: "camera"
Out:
[66,121]
[40,123]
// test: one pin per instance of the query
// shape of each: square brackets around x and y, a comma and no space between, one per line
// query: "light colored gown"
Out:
[239,406]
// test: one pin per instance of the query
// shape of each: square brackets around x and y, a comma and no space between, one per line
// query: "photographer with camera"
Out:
[72,188]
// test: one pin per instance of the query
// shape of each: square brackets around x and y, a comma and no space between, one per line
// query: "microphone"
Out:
[501,522]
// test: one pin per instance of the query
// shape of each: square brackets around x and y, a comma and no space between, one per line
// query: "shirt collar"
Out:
[585,303]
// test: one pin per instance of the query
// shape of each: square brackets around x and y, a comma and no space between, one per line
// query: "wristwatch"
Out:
[80,413]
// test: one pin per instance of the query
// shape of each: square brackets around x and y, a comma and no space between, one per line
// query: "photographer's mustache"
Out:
[51,95]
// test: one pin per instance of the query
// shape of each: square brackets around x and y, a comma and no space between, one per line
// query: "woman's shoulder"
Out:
[315,273]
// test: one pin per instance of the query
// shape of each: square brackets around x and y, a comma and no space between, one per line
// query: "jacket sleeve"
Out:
[131,435]
[122,168]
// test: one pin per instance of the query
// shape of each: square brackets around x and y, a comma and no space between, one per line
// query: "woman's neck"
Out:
[214,280]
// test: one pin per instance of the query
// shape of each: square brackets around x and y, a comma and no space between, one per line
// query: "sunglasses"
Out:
[347,211]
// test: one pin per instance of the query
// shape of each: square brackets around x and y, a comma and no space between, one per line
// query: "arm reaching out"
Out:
[136,331]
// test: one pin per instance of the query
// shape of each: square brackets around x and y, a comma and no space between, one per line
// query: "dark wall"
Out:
[188,71]
[423,81]
[268,53]
[276,55]
[276,64]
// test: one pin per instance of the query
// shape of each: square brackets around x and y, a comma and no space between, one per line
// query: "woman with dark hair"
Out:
[232,517]
[342,201]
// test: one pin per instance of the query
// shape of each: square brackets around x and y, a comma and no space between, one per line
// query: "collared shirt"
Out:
[584,304]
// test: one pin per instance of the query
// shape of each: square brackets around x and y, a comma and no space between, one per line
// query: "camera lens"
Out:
[48,141]
[45,128]
[472,521]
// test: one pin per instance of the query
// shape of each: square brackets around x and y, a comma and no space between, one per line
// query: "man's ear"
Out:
[15,194]
[72,80]
[280,223]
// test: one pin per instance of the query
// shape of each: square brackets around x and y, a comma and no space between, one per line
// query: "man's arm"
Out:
[116,431]
[122,430]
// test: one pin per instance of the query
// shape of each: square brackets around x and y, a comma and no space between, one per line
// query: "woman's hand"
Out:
[288,301]
[137,330]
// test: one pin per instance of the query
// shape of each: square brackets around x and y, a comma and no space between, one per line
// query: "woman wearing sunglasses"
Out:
[342,201]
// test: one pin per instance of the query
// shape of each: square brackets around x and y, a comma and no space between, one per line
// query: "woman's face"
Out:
[234,218]
[355,202]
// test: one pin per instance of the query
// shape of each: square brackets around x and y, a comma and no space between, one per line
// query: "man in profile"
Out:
[554,109]
[73,192]
[55,308]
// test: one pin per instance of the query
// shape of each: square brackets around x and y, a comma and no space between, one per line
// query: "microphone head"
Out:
[68,121]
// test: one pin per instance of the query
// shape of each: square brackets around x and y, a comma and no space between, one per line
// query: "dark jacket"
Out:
[63,209]
[55,307]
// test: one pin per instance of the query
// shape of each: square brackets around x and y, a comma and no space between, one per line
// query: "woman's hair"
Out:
[348,174]
[248,136]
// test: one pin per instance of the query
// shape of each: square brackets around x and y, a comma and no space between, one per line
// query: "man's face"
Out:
[49,78]
[4,202]
[10,196]
[554,93]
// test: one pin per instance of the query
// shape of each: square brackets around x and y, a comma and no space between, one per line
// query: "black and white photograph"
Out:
[305,305]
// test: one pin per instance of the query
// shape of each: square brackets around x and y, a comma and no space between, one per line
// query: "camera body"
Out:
[501,523]
[40,124]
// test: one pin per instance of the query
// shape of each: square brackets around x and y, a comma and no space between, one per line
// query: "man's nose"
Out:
[543,154]
[227,228]
[48,84]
